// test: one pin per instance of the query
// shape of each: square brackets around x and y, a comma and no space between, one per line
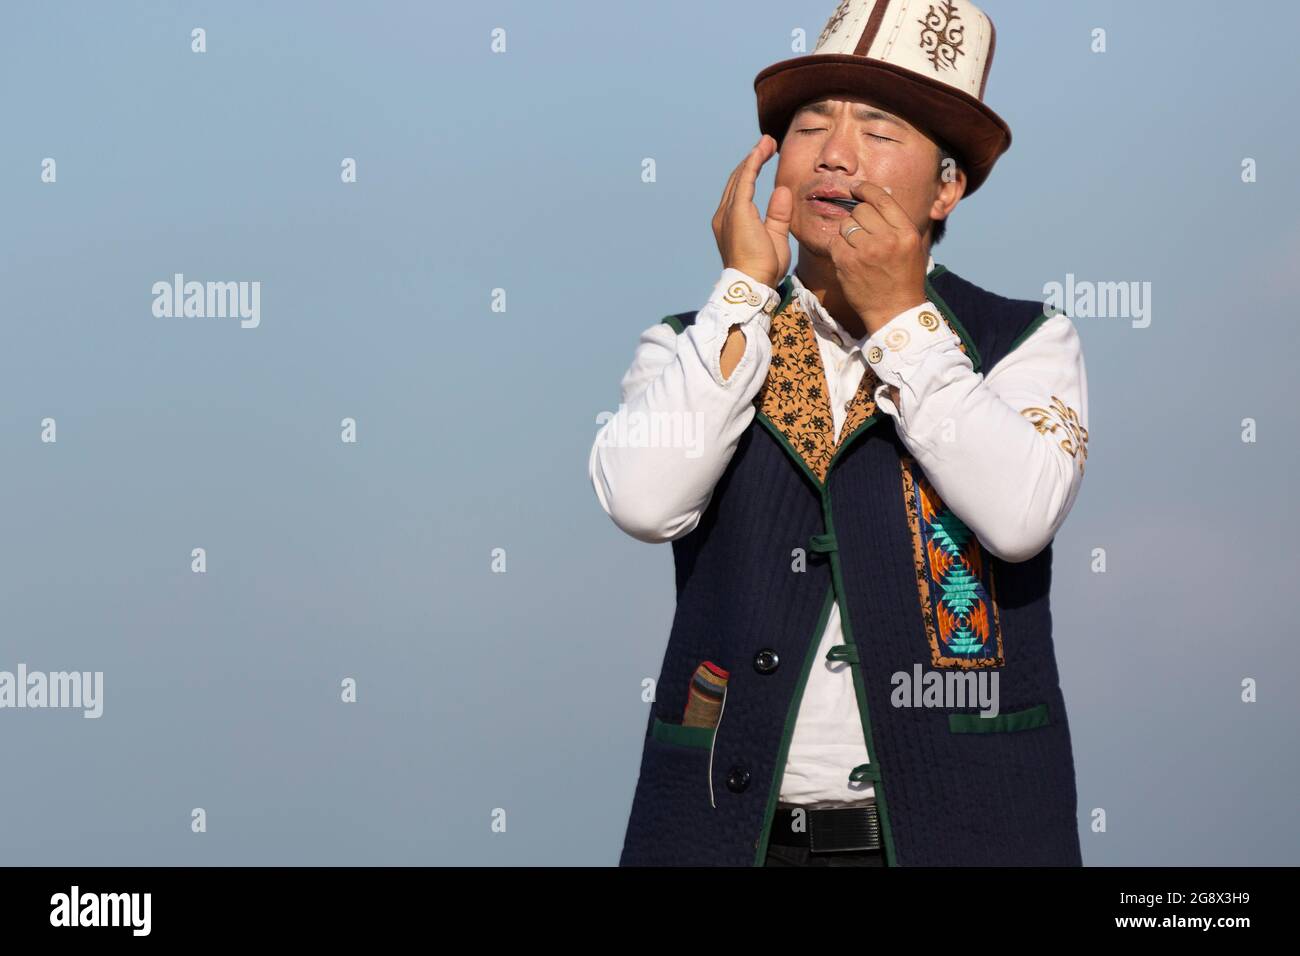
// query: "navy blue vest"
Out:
[914,587]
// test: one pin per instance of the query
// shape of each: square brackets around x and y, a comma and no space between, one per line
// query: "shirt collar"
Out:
[812,305]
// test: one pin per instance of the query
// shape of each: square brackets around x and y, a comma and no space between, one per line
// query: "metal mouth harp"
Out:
[844,203]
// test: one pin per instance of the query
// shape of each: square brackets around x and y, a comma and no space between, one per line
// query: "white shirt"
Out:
[995,446]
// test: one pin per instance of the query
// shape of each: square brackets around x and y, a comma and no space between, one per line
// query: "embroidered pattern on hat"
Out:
[833,23]
[942,35]
[954,579]
[795,396]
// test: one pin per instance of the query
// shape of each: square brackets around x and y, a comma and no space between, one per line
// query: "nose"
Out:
[839,150]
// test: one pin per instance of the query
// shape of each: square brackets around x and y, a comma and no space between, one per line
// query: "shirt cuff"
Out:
[897,351]
[737,299]
[900,345]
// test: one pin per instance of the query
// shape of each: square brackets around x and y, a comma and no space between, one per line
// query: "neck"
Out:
[819,277]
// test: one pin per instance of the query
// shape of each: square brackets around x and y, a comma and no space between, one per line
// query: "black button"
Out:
[766,661]
[737,779]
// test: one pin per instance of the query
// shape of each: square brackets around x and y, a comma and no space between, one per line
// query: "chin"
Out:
[816,247]
[815,236]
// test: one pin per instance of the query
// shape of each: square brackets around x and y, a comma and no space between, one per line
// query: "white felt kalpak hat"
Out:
[926,61]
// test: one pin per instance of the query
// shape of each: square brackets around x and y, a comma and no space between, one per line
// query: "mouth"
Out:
[832,203]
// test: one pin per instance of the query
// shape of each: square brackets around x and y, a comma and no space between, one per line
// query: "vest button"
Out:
[766,661]
[737,779]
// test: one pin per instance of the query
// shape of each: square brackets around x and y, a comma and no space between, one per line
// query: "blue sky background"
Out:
[522,171]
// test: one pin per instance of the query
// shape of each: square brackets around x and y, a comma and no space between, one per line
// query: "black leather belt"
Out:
[828,830]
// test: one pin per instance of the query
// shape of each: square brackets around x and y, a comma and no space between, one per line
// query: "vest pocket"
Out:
[1028,719]
[673,820]
[701,737]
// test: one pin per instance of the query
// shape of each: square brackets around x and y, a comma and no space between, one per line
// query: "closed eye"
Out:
[818,129]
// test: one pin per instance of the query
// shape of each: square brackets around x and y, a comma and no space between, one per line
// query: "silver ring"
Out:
[850,232]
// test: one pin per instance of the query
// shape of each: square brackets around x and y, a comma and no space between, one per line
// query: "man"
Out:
[860,669]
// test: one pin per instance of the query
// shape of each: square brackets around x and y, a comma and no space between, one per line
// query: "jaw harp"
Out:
[844,203]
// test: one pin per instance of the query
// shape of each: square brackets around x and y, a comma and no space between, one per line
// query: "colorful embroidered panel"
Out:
[954,578]
[795,396]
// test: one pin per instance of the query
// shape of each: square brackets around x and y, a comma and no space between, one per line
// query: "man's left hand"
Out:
[881,267]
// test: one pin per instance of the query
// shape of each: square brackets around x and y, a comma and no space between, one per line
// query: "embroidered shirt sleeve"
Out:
[1004,450]
[655,460]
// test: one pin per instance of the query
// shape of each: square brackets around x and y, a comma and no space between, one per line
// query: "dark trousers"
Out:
[778,855]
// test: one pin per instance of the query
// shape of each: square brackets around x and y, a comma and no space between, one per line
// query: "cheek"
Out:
[896,170]
[909,185]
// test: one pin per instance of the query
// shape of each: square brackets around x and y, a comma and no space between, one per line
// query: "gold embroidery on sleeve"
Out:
[741,292]
[1060,417]
[896,340]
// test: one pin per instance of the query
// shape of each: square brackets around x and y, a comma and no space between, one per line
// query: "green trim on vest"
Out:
[1029,330]
[785,443]
[686,736]
[786,288]
[847,440]
[864,772]
[933,295]
[843,652]
[860,691]
[1018,720]
[822,543]
[787,733]
[674,323]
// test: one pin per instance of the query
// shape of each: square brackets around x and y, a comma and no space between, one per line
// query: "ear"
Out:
[952,186]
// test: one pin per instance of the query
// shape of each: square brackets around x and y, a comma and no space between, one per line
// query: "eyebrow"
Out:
[823,108]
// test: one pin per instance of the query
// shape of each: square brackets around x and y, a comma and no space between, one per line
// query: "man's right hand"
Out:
[758,248]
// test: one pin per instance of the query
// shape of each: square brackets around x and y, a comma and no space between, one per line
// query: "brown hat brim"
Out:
[957,118]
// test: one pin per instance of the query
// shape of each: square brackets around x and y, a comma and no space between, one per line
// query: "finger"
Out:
[759,155]
[848,233]
[729,189]
[868,217]
[780,210]
[879,199]
[841,250]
